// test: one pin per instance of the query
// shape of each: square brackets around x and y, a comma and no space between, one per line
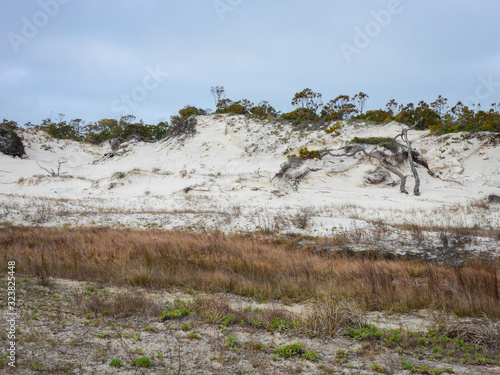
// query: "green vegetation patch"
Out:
[304,153]
[178,309]
[431,344]
[372,140]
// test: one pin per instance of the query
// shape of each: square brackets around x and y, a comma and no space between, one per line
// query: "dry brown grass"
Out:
[250,266]
[118,305]
[327,317]
[480,331]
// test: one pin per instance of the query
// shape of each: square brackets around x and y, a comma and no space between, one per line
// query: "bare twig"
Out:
[119,338]
[51,172]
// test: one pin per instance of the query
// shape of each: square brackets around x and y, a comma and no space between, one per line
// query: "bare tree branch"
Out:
[51,172]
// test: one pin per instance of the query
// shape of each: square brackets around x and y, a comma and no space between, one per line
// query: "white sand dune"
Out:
[220,178]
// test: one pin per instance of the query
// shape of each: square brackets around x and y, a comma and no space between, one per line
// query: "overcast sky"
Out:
[94,59]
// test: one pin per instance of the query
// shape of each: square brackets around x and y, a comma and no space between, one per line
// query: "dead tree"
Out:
[404,137]
[359,148]
[52,173]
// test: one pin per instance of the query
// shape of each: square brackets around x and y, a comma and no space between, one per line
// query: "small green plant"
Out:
[394,337]
[90,315]
[178,309]
[480,359]
[311,356]
[150,328]
[103,335]
[186,327]
[257,323]
[408,366]
[289,351]
[230,341]
[227,320]
[138,351]
[89,290]
[279,324]
[340,356]
[37,366]
[142,362]
[116,362]
[334,128]
[377,368]
[304,153]
[368,331]
[193,336]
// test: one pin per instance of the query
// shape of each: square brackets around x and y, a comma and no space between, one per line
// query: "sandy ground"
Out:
[56,335]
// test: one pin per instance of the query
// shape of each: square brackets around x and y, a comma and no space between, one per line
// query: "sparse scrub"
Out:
[213,310]
[119,175]
[328,317]
[178,309]
[436,345]
[119,305]
[289,351]
[334,129]
[302,218]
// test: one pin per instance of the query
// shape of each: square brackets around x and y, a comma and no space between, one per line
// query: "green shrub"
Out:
[377,368]
[368,331]
[334,128]
[279,324]
[378,116]
[142,362]
[300,115]
[310,356]
[116,362]
[178,309]
[263,110]
[372,140]
[289,351]
[241,107]
[304,153]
